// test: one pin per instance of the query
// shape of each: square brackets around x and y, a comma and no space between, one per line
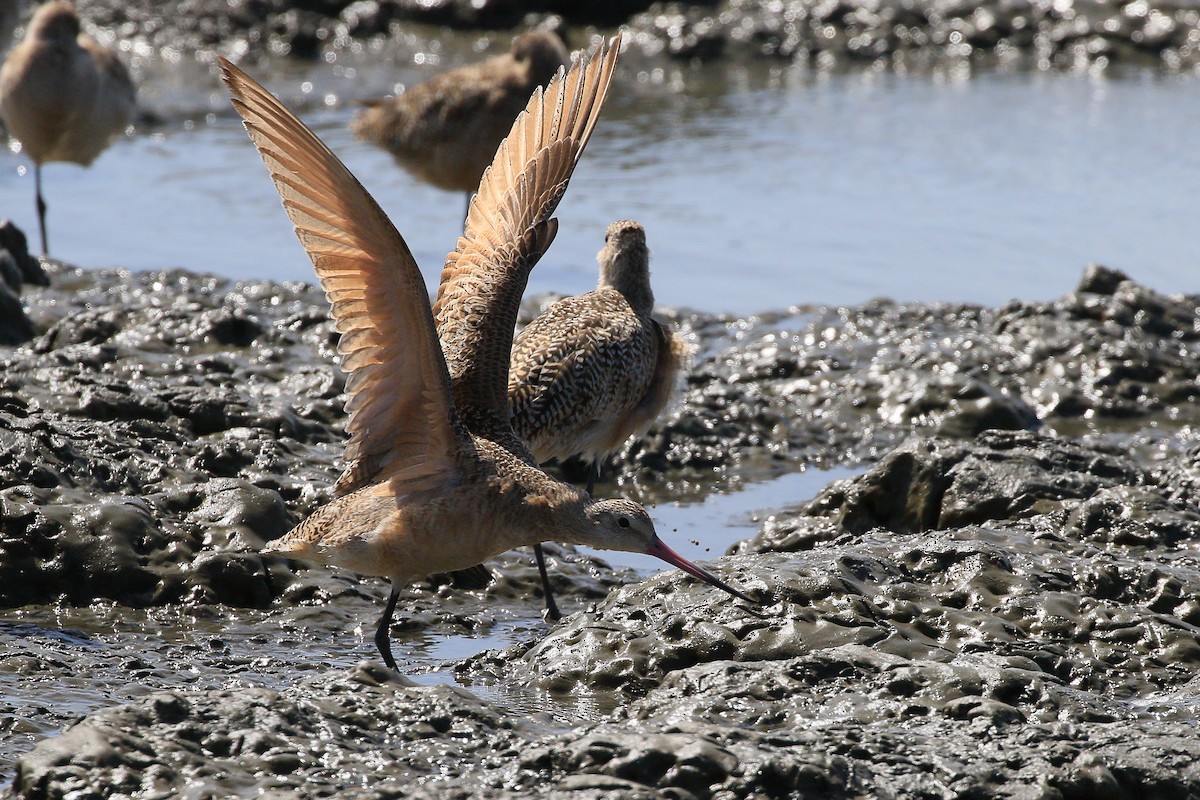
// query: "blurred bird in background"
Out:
[63,96]
[446,130]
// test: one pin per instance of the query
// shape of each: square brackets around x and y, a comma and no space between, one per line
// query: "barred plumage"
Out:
[595,369]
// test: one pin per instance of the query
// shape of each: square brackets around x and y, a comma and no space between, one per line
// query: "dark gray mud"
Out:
[825,385]
[1002,605]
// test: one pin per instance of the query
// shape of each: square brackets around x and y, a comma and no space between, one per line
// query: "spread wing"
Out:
[402,422]
[508,229]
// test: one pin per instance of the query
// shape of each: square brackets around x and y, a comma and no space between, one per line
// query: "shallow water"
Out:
[760,187]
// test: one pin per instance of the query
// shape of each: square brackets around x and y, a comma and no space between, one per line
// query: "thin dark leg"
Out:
[594,476]
[382,638]
[551,607]
[41,206]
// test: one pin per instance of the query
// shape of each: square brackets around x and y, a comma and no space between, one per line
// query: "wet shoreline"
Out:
[1001,603]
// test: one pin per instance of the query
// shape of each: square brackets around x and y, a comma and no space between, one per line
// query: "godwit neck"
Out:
[625,264]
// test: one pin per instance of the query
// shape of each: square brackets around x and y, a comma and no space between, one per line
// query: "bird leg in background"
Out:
[594,476]
[383,639]
[41,206]
[552,611]
[63,95]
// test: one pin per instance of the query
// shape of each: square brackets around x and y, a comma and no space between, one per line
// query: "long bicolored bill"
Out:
[660,550]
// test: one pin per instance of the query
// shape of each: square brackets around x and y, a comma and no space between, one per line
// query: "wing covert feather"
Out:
[506,232]
[401,417]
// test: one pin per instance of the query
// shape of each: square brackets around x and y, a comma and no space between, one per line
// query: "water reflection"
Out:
[760,187]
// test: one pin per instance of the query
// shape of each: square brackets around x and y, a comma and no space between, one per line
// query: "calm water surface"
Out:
[759,188]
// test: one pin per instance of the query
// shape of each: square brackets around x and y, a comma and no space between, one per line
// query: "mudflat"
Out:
[1001,604]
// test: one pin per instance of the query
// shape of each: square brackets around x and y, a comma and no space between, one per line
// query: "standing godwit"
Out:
[446,129]
[436,478]
[62,95]
[595,369]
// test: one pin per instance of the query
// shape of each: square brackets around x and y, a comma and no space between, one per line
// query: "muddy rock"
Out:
[218,406]
[934,484]
[251,741]
[858,381]
[1099,492]
[17,268]
[509,13]
[1045,639]
[1004,660]
[16,326]
[1036,33]
[1002,604]
[1041,34]
[16,264]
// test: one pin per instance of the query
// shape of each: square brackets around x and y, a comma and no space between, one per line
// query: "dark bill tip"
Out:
[659,549]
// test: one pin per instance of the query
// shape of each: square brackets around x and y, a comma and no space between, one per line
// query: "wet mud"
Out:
[1002,604]
[1083,34]
[17,269]
[846,384]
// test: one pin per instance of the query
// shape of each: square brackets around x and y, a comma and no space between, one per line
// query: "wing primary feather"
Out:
[509,226]
[402,419]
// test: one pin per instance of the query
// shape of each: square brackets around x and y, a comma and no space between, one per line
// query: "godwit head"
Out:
[624,525]
[55,23]
[544,51]
[625,264]
[436,479]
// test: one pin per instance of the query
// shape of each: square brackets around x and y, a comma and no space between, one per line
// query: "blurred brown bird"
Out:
[446,130]
[594,370]
[62,95]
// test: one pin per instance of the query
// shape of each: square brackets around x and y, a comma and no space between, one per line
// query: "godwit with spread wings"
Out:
[595,369]
[446,129]
[436,479]
[63,96]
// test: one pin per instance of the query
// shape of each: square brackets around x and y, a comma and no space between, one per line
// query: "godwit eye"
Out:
[623,522]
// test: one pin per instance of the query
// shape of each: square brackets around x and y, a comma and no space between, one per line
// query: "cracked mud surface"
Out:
[1002,604]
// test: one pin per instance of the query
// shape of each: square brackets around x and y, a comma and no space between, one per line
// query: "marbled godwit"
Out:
[62,95]
[446,129]
[436,479]
[593,370]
